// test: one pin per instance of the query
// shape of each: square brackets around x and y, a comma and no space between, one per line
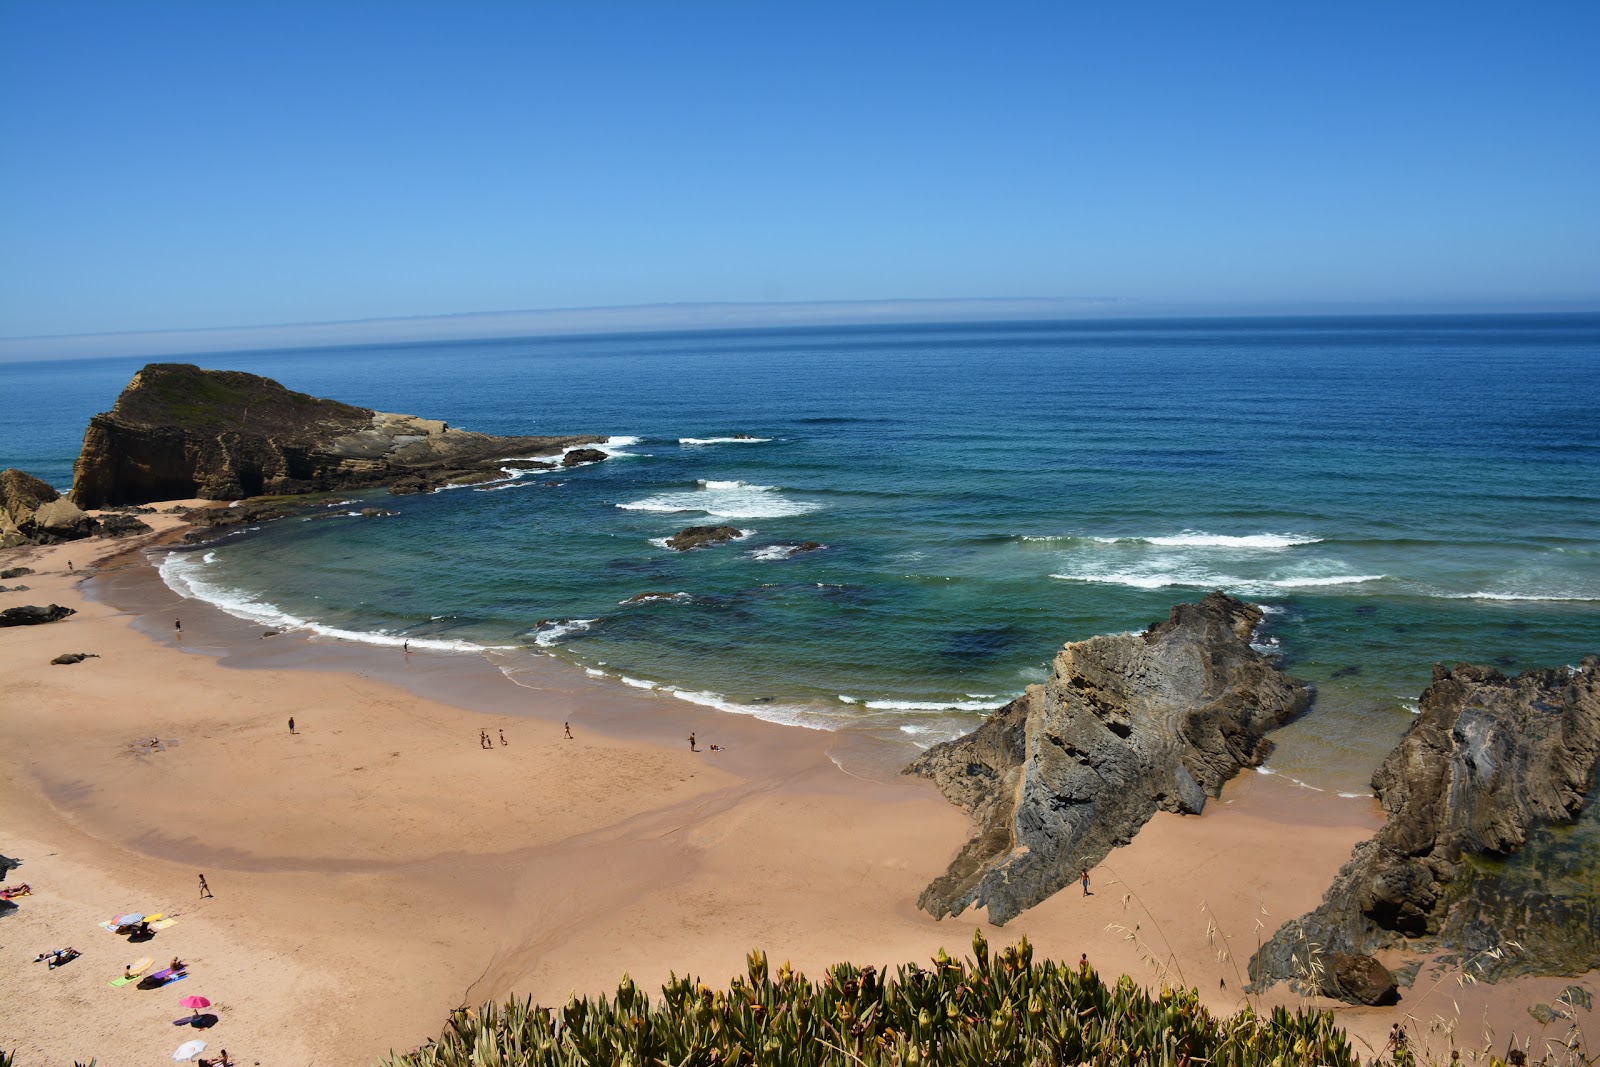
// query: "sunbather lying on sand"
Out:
[56,956]
[21,889]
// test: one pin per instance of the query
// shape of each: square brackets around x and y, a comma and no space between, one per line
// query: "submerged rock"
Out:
[1478,850]
[1126,725]
[645,598]
[34,615]
[582,455]
[178,432]
[699,536]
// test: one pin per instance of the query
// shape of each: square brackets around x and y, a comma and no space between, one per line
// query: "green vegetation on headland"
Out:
[989,1010]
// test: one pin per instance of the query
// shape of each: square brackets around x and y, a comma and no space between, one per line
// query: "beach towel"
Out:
[107,925]
[163,924]
[118,983]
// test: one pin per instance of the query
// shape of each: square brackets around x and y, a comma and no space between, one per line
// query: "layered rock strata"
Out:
[1491,769]
[1127,725]
[178,432]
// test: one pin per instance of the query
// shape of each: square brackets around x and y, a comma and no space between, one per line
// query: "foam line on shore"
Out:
[181,573]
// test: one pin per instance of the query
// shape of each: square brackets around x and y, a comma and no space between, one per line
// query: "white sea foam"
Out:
[657,598]
[553,633]
[595,673]
[1533,597]
[935,705]
[1201,539]
[186,576]
[1192,539]
[727,500]
[1201,579]
[637,683]
[779,713]
[1353,796]
[1264,769]
[772,552]
[723,440]
[1334,579]
[849,700]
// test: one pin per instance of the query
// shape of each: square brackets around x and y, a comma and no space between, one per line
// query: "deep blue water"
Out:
[1397,491]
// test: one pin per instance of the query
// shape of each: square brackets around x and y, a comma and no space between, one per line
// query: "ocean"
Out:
[1393,491]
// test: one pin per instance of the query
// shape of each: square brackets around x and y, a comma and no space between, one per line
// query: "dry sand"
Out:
[378,868]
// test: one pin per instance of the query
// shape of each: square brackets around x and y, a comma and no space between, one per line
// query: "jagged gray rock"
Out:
[1126,725]
[1487,764]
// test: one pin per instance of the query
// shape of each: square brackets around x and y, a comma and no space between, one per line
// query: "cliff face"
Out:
[178,431]
[1477,851]
[1126,726]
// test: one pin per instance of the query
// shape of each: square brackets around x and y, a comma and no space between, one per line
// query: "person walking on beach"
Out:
[1086,883]
[177,627]
[567,726]
[291,724]
[691,744]
[205,890]
[406,648]
[503,737]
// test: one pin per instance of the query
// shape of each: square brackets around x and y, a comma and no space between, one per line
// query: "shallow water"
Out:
[1395,491]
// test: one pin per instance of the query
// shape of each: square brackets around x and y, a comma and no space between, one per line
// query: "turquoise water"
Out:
[1395,491]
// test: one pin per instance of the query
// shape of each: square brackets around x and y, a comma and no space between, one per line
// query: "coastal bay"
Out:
[378,868]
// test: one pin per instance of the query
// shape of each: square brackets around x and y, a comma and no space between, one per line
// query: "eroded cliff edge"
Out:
[1492,835]
[178,431]
[1126,725]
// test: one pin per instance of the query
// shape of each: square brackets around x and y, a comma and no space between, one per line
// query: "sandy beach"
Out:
[378,867]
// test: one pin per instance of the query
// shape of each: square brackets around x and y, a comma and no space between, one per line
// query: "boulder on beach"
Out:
[73,657]
[1490,839]
[178,432]
[16,572]
[34,615]
[699,536]
[1127,725]
[33,513]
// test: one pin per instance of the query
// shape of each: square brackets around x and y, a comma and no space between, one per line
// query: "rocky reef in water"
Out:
[178,431]
[1127,725]
[1492,836]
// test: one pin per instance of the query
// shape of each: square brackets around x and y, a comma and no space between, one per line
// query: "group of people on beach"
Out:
[485,741]
[709,748]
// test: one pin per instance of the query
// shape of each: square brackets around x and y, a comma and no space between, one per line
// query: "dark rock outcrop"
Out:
[1126,725]
[73,657]
[1491,769]
[699,536]
[1359,980]
[582,455]
[33,513]
[33,615]
[121,525]
[16,572]
[178,431]
[377,513]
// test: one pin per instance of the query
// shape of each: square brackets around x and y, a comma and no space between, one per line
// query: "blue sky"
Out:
[193,165]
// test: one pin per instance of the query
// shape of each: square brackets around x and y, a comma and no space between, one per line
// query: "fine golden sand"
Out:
[378,868]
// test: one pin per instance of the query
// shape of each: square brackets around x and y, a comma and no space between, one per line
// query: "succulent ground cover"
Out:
[1004,1008]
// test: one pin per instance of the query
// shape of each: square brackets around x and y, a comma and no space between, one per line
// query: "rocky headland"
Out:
[1491,838]
[1127,725]
[180,432]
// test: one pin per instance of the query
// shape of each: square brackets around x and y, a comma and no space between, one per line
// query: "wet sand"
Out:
[377,867]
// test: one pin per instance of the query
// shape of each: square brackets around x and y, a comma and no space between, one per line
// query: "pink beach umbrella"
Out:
[195,1002]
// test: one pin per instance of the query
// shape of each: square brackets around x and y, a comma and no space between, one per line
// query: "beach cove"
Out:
[378,868]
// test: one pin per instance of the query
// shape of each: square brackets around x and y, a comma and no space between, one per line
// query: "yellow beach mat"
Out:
[134,971]
[163,924]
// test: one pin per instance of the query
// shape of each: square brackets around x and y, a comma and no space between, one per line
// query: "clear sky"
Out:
[186,165]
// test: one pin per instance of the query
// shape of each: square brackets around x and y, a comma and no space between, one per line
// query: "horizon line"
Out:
[689,316]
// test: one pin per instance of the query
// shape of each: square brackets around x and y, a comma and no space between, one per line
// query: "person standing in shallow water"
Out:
[691,744]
